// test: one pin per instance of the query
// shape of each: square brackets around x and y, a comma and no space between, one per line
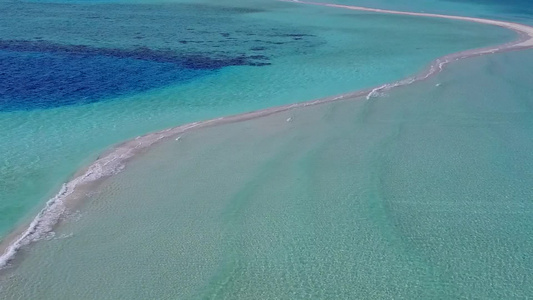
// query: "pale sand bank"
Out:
[113,161]
[524,29]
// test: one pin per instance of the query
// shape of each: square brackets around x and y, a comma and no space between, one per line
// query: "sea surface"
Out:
[77,78]
[421,193]
[425,193]
[511,10]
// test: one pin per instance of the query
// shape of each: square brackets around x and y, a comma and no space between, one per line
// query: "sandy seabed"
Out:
[114,160]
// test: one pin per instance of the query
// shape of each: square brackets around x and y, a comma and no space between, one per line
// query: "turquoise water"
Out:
[513,10]
[128,74]
[423,193]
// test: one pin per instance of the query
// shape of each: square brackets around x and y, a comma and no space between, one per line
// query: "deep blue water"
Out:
[48,60]
[43,75]
[33,80]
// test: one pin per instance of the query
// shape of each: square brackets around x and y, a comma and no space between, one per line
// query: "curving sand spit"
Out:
[527,31]
[113,161]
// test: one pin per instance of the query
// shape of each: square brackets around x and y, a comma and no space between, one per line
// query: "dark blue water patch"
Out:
[32,80]
[185,60]
[169,44]
[40,74]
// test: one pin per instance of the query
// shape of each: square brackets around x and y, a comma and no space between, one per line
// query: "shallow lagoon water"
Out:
[423,193]
[512,10]
[321,52]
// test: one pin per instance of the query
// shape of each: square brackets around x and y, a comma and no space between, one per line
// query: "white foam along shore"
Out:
[112,161]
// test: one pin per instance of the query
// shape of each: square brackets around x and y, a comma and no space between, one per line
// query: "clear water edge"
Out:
[212,110]
[89,160]
[331,151]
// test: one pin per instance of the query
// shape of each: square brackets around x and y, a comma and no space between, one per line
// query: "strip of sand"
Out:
[523,29]
[113,160]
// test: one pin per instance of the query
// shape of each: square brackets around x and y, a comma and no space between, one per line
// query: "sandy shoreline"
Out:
[113,160]
[528,30]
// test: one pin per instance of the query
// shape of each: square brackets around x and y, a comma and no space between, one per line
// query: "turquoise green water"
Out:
[40,149]
[424,193]
[514,10]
